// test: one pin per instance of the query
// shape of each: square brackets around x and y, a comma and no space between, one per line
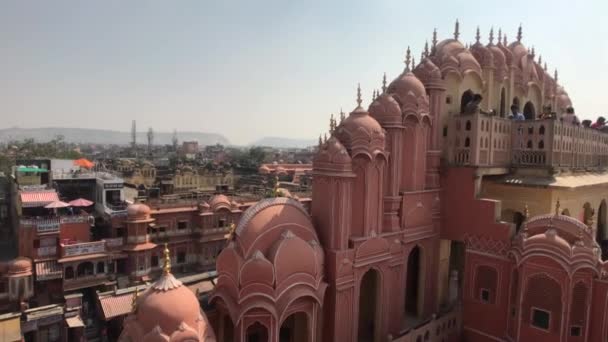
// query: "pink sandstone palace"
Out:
[433,218]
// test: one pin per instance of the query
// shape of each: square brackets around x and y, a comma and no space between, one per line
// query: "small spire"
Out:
[519,35]
[491,39]
[426,48]
[413,63]
[434,41]
[359,95]
[332,123]
[167,267]
[373,95]
[407,60]
[540,59]
[504,39]
[324,138]
[320,141]
[456,30]
[134,301]
[555,75]
[384,83]
[545,66]
[232,228]
[342,115]
[533,52]
[557,206]
[499,36]
[526,212]
[421,56]
[477,35]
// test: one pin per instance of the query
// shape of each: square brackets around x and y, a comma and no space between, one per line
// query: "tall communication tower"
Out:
[150,140]
[133,134]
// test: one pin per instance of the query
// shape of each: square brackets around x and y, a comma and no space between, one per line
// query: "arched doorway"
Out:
[294,328]
[413,293]
[503,103]
[529,111]
[601,234]
[369,299]
[228,333]
[516,102]
[466,97]
[257,332]
[85,269]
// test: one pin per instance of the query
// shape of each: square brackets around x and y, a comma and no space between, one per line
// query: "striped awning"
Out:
[49,269]
[31,199]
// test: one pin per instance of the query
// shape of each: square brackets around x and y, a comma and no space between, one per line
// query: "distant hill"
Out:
[284,142]
[101,136]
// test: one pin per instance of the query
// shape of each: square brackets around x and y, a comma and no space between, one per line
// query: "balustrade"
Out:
[83,248]
[480,140]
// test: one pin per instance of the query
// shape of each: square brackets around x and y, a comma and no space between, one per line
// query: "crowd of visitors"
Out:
[474,107]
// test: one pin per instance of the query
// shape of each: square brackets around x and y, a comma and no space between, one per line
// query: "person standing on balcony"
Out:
[570,117]
[517,115]
[474,106]
[599,123]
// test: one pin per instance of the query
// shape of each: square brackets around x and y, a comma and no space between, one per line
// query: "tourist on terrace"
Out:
[517,115]
[546,114]
[570,117]
[474,106]
[601,122]
[586,123]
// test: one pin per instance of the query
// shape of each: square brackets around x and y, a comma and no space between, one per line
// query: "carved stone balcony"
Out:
[484,141]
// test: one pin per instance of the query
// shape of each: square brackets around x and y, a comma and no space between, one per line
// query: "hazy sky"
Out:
[255,68]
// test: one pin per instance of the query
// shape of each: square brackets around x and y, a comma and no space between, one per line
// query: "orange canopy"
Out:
[83,162]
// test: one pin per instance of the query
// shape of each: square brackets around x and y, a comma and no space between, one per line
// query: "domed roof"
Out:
[219,202]
[262,224]
[448,47]
[332,155]
[20,266]
[518,49]
[427,71]
[138,212]
[385,110]
[500,61]
[482,54]
[405,84]
[171,308]
[360,130]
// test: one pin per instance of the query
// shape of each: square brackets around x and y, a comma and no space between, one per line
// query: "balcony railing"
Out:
[68,250]
[479,140]
[114,242]
[439,328]
[52,224]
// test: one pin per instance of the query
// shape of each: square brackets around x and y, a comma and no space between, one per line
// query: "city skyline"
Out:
[249,71]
